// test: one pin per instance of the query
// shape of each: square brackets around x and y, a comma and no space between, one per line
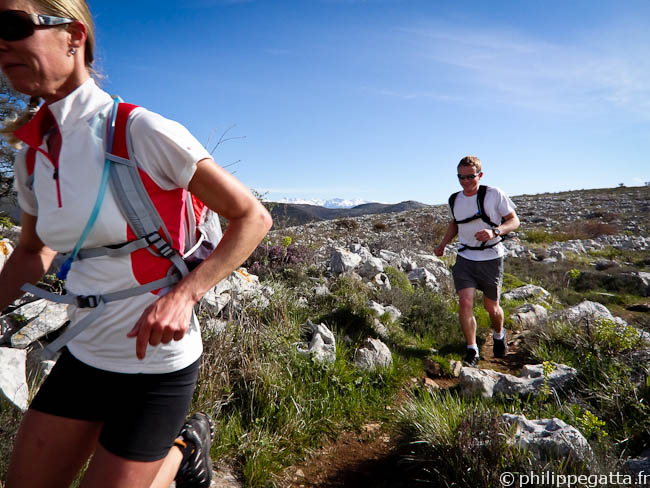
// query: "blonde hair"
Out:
[471,161]
[70,9]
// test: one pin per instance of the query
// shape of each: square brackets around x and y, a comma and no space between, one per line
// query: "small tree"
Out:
[11,104]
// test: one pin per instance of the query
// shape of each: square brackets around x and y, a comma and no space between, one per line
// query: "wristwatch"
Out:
[497,231]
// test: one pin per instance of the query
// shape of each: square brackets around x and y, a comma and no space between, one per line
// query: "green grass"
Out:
[272,406]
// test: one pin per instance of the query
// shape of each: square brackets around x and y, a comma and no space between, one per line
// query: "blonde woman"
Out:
[120,391]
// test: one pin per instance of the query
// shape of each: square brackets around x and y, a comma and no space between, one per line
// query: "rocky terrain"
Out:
[560,232]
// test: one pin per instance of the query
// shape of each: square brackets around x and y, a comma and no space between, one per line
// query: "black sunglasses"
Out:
[16,25]
[468,177]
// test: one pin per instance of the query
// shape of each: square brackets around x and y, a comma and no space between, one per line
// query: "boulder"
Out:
[389,256]
[436,267]
[528,315]
[380,329]
[381,281]
[52,317]
[527,292]
[13,382]
[475,381]
[342,261]
[362,251]
[583,312]
[240,287]
[549,439]
[322,345]
[371,267]
[406,264]
[423,277]
[639,464]
[487,382]
[380,310]
[373,354]
[531,380]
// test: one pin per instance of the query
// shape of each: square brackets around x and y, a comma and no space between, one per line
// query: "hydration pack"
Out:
[480,214]
[201,227]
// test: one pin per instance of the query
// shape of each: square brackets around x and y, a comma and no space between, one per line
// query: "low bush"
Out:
[347,224]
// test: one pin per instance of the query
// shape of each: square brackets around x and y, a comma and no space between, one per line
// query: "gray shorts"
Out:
[486,276]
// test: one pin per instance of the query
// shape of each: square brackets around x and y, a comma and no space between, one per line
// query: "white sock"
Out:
[473,346]
[499,336]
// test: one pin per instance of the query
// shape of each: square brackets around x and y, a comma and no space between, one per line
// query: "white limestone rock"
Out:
[13,381]
[423,277]
[475,381]
[52,317]
[322,345]
[549,439]
[342,261]
[529,315]
[371,267]
[527,292]
[372,355]
[381,280]
[487,382]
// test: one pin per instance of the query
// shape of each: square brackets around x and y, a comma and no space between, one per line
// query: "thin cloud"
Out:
[413,95]
[515,69]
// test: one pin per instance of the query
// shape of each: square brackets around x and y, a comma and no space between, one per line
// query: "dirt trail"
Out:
[375,457]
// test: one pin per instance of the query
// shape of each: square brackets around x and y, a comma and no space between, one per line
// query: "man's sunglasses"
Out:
[16,25]
[468,177]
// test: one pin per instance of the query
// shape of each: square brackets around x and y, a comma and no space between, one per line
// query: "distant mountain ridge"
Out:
[330,203]
[290,214]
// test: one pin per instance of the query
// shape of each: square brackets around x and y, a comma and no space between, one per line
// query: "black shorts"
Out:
[486,276]
[141,413]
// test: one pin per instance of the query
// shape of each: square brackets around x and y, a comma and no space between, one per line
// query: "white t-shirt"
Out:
[167,153]
[496,205]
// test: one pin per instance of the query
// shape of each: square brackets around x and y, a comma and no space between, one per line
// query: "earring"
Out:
[71,51]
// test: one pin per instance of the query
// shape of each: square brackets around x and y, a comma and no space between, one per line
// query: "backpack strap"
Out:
[452,200]
[132,197]
[480,214]
[480,201]
[142,216]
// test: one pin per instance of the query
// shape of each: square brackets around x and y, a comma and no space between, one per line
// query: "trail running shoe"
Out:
[499,346]
[471,358]
[196,470]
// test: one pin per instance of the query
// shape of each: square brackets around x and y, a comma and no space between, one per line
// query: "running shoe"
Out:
[196,470]
[471,358]
[499,346]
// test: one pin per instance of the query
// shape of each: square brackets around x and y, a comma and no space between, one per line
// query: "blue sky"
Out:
[379,99]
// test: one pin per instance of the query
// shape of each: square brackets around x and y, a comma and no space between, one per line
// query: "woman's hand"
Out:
[166,319]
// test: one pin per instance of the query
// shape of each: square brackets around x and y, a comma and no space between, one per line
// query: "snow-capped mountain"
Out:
[331,203]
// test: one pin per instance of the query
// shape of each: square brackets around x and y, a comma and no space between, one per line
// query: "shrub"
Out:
[398,279]
[347,224]
[463,442]
[379,226]
[266,259]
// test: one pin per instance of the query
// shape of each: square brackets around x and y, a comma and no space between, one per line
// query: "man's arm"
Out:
[452,230]
[511,222]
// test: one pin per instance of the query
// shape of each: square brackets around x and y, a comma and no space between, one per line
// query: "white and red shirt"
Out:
[496,205]
[65,187]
